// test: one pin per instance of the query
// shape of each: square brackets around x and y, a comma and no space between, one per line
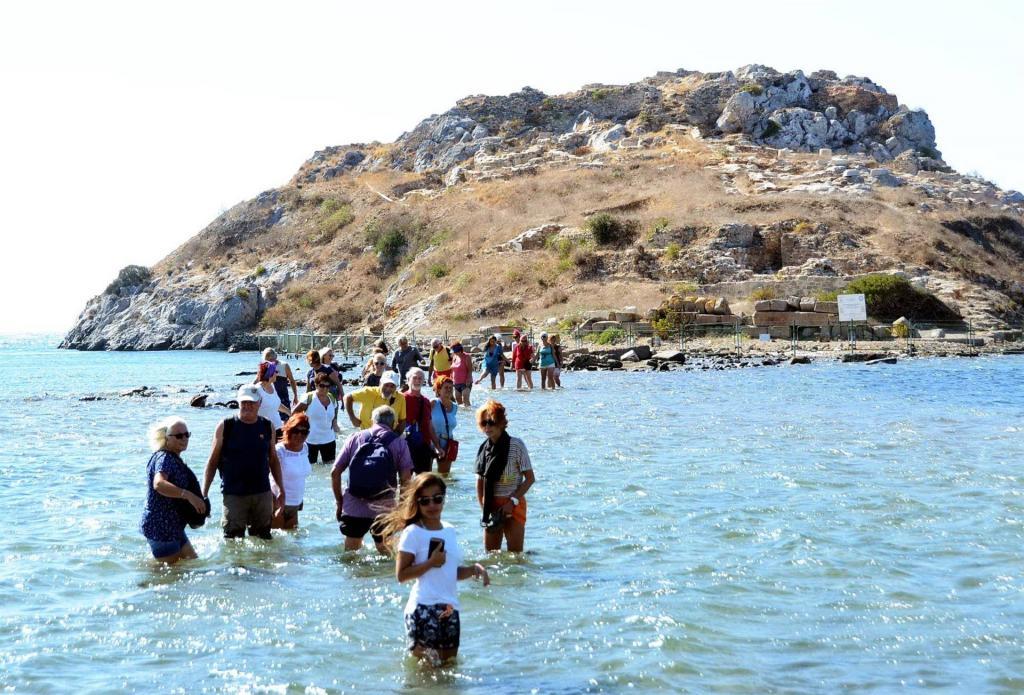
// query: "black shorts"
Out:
[357,527]
[425,627]
[327,452]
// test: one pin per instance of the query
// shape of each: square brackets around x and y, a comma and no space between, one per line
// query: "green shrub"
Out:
[803,228]
[659,225]
[438,270]
[260,270]
[827,296]
[610,336]
[672,251]
[461,281]
[752,88]
[390,244]
[242,292]
[331,205]
[662,327]
[560,245]
[600,94]
[771,128]
[890,296]
[337,219]
[607,229]
[763,293]
[305,301]
[900,330]
[129,276]
[685,288]
[926,151]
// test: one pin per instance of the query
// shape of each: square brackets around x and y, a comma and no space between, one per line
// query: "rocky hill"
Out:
[732,182]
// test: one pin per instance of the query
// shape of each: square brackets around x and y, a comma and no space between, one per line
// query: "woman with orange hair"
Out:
[295,468]
[504,474]
[444,413]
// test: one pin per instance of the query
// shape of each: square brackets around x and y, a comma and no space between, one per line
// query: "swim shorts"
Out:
[425,627]
[168,548]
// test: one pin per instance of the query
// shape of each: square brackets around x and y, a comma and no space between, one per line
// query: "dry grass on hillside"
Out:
[450,236]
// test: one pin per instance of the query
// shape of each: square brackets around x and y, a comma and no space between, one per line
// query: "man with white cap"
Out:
[244,453]
[371,397]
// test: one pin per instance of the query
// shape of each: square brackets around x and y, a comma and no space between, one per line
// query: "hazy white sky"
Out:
[128,126]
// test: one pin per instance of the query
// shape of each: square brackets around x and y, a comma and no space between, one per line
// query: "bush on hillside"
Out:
[889,297]
[609,230]
[129,276]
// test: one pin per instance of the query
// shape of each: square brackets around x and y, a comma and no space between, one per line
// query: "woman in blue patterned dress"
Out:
[169,480]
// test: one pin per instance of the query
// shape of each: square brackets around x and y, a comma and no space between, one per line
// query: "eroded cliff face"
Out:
[825,175]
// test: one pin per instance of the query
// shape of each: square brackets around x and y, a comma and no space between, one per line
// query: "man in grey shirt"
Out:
[405,358]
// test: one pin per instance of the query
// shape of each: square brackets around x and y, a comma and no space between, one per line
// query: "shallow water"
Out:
[797,529]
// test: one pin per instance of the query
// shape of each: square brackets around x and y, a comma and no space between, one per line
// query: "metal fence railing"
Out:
[703,335]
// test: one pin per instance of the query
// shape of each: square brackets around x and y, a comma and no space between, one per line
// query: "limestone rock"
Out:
[532,239]
[608,140]
[670,356]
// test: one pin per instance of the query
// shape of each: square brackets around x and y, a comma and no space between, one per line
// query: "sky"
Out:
[126,127]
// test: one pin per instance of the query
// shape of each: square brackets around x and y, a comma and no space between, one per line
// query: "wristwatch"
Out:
[514,501]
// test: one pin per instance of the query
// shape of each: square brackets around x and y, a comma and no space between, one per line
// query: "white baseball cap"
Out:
[390,377]
[248,393]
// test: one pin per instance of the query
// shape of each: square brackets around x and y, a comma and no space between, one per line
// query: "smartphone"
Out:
[434,543]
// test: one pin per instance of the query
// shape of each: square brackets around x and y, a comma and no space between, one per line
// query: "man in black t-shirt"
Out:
[244,453]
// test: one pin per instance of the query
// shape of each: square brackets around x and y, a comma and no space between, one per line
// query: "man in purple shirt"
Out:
[357,514]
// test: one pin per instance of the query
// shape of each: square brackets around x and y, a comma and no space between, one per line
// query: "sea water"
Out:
[797,529]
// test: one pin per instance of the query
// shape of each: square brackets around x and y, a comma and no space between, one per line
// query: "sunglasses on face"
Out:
[181,435]
[297,430]
[436,499]
[488,423]
[322,386]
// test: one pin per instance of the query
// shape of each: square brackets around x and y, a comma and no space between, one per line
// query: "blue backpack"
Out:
[372,473]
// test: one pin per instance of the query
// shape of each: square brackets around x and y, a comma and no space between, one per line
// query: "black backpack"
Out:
[372,473]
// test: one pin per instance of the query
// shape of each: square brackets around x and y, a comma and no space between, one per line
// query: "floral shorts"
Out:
[425,627]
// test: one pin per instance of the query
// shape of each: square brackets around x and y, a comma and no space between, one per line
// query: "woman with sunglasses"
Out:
[374,369]
[428,552]
[322,410]
[170,480]
[444,413]
[295,468]
[504,474]
[271,406]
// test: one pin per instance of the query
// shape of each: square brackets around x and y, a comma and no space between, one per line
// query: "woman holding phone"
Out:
[428,552]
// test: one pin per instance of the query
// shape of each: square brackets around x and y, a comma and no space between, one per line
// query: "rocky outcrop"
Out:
[194,312]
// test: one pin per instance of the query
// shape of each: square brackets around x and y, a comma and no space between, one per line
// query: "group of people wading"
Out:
[265,453]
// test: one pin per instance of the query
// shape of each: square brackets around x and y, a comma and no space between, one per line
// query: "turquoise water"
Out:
[794,529]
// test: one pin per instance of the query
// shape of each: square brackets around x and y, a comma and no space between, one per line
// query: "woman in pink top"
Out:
[462,373]
[522,353]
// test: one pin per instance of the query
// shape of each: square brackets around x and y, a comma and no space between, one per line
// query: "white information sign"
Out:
[852,308]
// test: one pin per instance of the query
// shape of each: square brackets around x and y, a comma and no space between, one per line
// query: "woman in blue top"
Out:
[547,363]
[494,361]
[443,417]
[169,480]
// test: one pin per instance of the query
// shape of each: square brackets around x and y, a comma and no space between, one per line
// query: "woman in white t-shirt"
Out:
[295,468]
[428,551]
[322,410]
